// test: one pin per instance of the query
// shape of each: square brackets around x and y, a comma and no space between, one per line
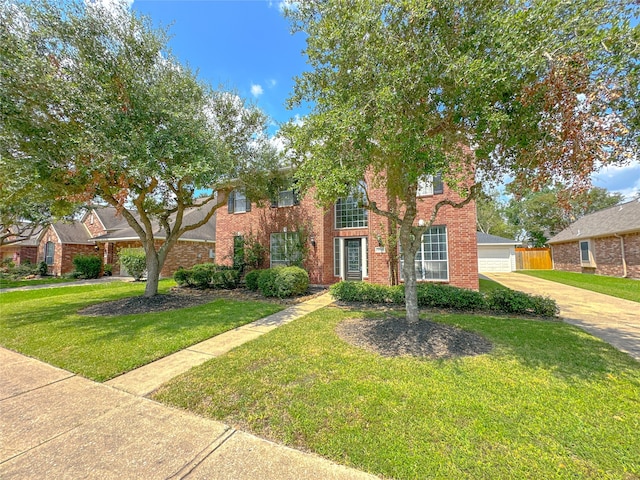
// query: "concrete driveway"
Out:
[614,320]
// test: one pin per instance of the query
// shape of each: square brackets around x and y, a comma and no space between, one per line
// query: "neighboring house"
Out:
[348,242]
[102,231]
[22,251]
[606,242]
[496,254]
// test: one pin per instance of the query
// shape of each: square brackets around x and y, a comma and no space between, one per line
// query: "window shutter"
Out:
[230,202]
[296,199]
[438,185]
[248,204]
[274,202]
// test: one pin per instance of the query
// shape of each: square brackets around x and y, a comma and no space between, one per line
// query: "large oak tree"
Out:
[542,91]
[94,103]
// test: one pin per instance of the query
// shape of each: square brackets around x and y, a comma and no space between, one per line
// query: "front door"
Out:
[353,259]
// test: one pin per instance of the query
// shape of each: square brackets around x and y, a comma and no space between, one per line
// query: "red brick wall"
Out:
[607,252]
[261,222]
[184,254]
[63,254]
[93,224]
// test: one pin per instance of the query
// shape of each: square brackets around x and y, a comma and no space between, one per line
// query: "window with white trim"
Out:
[238,202]
[49,252]
[586,253]
[350,213]
[285,249]
[432,260]
[429,185]
[336,257]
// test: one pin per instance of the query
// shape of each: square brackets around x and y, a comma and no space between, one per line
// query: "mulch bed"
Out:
[180,297]
[393,337]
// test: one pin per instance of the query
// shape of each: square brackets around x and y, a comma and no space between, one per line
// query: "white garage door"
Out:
[496,259]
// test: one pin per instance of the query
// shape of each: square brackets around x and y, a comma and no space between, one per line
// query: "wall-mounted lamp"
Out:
[421,223]
[96,247]
[284,229]
[312,239]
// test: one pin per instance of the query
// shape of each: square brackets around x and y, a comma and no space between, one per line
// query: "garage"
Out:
[496,254]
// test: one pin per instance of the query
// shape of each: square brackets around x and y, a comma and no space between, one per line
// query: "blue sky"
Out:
[246,46]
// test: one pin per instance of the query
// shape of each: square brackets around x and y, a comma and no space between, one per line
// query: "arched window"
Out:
[49,252]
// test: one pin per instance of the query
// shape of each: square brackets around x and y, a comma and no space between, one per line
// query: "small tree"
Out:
[134,261]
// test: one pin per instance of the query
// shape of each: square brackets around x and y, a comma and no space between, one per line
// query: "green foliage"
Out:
[11,271]
[208,275]
[87,266]
[251,279]
[505,300]
[108,269]
[134,261]
[434,295]
[283,282]
[254,252]
[43,269]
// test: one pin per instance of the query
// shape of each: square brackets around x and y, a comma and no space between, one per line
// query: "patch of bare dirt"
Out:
[394,337]
[180,297]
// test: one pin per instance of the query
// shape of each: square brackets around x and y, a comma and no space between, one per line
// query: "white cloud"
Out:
[297,120]
[624,179]
[272,83]
[256,90]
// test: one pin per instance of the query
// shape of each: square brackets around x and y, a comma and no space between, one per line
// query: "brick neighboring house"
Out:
[606,242]
[22,251]
[348,242]
[103,232]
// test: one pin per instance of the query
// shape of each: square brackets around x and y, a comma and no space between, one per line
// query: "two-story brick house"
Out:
[349,242]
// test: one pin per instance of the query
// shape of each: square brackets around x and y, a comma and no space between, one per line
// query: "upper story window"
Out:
[238,202]
[430,185]
[350,212]
[286,198]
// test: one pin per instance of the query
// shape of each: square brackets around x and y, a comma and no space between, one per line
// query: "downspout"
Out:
[624,258]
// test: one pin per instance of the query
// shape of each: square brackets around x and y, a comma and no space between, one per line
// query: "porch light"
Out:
[312,239]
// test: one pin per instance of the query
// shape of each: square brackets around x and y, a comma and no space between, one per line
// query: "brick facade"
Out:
[19,254]
[63,252]
[319,225]
[607,256]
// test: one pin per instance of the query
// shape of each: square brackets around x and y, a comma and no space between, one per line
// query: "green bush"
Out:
[251,279]
[510,301]
[208,275]
[433,295]
[283,282]
[87,266]
[43,269]
[134,261]
[107,269]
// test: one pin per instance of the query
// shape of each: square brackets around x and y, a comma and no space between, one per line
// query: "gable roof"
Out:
[109,218]
[205,233]
[623,218]
[487,239]
[74,232]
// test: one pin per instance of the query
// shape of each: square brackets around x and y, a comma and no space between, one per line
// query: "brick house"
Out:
[606,242]
[21,251]
[348,242]
[102,231]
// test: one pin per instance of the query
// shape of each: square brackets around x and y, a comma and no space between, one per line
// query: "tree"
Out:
[94,102]
[405,89]
[491,215]
[540,215]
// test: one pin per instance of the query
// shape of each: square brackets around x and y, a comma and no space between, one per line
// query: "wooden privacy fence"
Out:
[533,259]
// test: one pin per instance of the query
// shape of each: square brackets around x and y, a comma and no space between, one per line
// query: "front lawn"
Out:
[45,324]
[549,401]
[626,288]
[7,283]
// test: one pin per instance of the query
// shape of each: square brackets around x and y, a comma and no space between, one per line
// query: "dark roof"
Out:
[206,232]
[110,218]
[486,239]
[623,218]
[74,232]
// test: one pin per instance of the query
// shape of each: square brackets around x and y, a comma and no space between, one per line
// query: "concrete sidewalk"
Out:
[68,284]
[148,378]
[614,320]
[54,424]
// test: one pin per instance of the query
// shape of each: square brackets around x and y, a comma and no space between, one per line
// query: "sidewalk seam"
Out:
[71,375]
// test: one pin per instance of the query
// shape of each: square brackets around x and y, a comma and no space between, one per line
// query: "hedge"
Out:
[208,275]
[87,266]
[251,279]
[445,296]
[134,260]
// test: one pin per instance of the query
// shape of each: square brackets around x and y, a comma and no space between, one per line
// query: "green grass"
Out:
[550,401]
[45,324]
[487,285]
[5,283]
[626,288]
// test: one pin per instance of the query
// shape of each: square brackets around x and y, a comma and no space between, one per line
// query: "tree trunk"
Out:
[409,250]
[154,265]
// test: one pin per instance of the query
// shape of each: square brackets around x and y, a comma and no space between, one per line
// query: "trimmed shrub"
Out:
[43,269]
[251,280]
[445,296]
[208,275]
[181,276]
[511,301]
[87,266]
[364,292]
[107,269]
[134,261]
[283,282]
